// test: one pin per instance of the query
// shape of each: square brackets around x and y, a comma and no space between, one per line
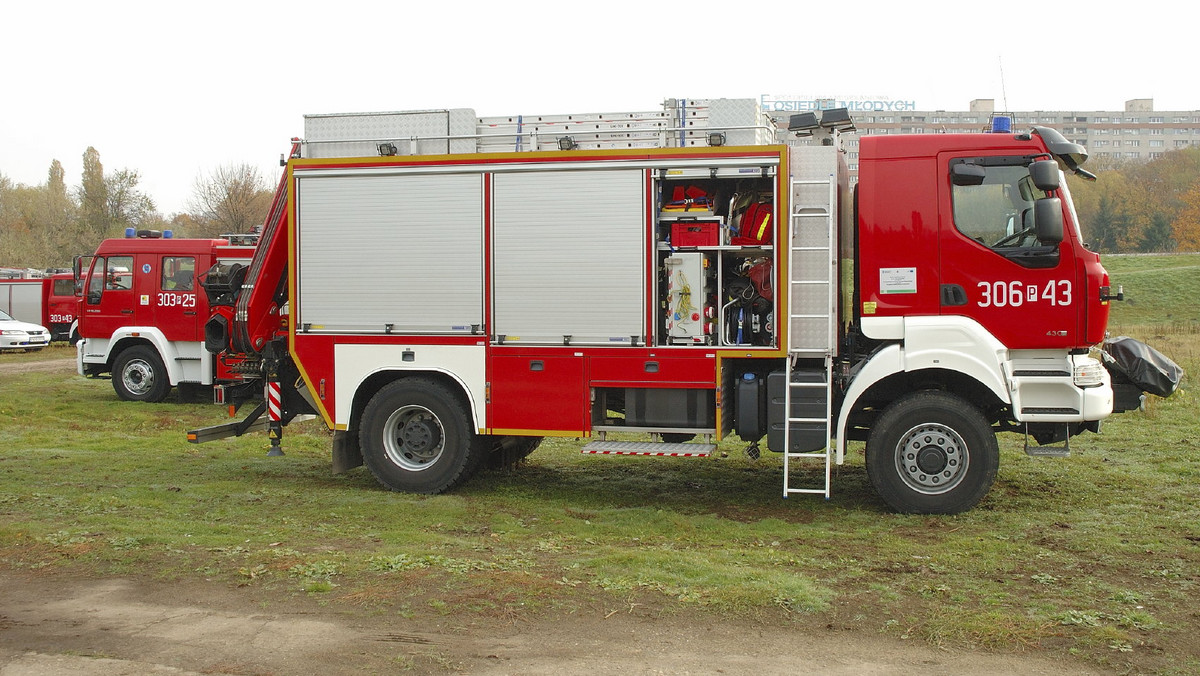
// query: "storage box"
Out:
[695,233]
[669,407]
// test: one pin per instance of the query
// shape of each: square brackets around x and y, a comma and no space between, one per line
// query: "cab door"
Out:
[994,267]
[172,296]
[108,302]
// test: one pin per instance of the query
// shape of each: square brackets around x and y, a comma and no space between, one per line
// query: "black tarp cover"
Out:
[1142,365]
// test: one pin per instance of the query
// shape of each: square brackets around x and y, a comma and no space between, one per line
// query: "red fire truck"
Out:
[446,290]
[143,312]
[49,301]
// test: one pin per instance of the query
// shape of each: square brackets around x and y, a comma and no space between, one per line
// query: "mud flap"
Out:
[346,452]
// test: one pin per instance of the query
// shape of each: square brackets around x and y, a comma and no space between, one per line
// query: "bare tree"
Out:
[231,199]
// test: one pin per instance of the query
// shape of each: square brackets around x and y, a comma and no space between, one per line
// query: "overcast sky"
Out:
[175,90]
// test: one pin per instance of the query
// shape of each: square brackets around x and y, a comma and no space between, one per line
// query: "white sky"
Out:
[175,90]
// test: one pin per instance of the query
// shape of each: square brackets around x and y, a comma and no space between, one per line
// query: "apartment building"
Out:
[1137,133]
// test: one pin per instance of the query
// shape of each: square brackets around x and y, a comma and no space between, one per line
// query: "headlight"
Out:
[1089,373]
[11,332]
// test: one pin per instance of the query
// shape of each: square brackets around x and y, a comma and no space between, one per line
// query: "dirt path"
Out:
[26,363]
[57,625]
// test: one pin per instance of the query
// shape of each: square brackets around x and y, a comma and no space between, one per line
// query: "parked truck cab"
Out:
[143,312]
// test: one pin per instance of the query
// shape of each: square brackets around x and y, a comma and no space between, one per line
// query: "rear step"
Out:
[657,448]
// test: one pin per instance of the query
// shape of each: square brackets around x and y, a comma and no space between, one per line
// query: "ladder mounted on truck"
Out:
[812,330]
[681,123]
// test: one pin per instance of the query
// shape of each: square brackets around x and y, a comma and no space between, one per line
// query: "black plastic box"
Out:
[669,407]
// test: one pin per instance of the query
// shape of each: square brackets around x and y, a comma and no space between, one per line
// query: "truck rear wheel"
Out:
[416,436]
[932,453]
[139,375]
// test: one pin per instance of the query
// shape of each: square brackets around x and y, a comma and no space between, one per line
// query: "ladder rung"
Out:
[814,454]
[809,491]
[807,421]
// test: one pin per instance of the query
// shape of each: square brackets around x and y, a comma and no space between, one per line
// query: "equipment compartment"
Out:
[714,282]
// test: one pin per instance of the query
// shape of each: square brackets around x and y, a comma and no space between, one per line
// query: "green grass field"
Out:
[1096,555]
[1160,292]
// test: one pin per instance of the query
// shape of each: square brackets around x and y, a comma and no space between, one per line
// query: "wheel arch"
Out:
[378,380]
[149,336]
[887,376]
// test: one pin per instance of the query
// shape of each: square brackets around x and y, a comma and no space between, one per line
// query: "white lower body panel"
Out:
[466,364]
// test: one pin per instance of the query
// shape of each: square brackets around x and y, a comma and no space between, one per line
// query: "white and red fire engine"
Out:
[446,290]
[50,301]
[143,312]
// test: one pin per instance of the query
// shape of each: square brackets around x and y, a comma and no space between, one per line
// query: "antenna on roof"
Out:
[1003,90]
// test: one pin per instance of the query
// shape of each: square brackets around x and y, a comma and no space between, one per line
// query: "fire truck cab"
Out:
[143,312]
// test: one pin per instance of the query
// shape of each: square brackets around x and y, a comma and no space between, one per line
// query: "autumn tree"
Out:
[231,199]
[11,223]
[93,194]
[127,206]
[1187,223]
[1134,206]
[59,207]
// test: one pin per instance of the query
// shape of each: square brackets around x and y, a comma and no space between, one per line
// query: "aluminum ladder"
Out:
[812,330]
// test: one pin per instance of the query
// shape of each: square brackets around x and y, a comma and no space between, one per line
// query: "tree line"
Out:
[46,226]
[1133,207]
[1141,206]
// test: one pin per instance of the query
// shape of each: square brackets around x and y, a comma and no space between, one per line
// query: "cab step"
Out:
[656,448]
[1048,451]
[1063,451]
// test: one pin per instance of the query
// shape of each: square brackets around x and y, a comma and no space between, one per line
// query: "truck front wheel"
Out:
[932,453]
[416,436]
[139,375]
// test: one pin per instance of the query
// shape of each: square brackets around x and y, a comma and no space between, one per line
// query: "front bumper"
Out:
[1044,389]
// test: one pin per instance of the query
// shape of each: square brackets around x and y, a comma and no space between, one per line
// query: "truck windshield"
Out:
[998,213]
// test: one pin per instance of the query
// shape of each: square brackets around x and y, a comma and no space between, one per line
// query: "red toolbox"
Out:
[695,233]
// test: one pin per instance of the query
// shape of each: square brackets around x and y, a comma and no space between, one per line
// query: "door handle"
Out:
[126,311]
[953,295]
[537,365]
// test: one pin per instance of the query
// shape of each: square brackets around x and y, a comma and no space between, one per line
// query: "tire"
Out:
[417,437]
[139,375]
[506,452]
[932,453]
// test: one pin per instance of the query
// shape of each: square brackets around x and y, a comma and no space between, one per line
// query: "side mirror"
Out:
[1048,220]
[93,298]
[965,173]
[1045,175]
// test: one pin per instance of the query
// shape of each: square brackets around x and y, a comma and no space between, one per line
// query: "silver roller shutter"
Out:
[569,255]
[399,249]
